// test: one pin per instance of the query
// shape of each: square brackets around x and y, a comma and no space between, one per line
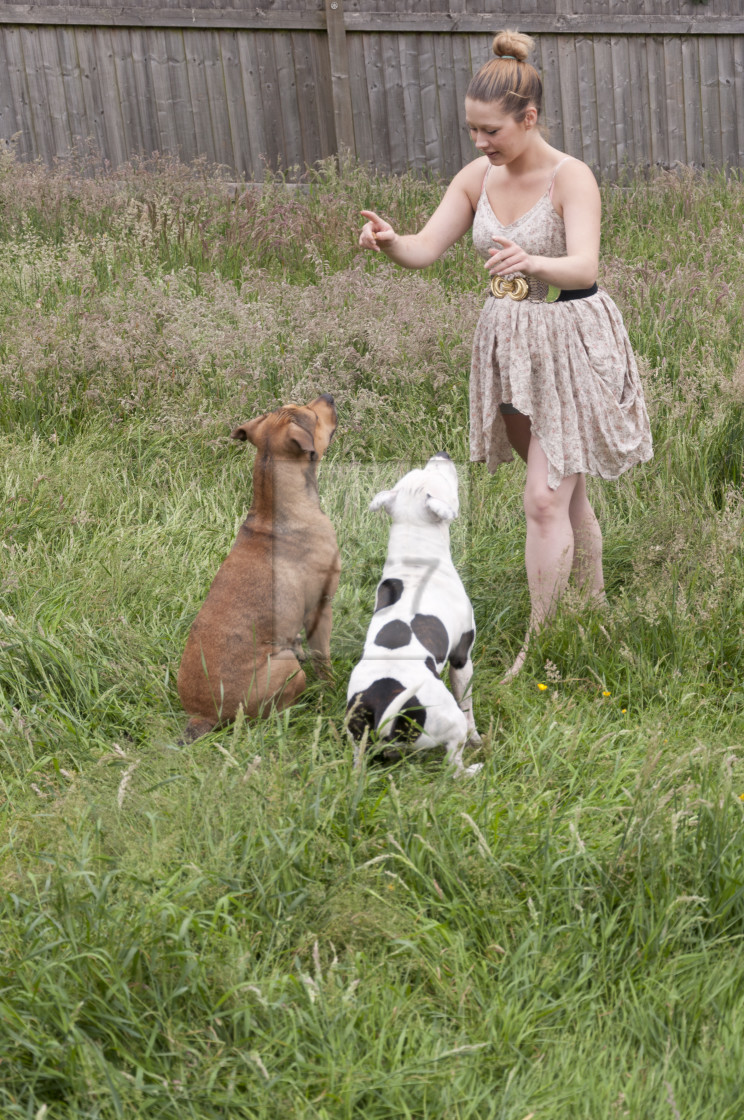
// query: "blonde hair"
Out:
[508,78]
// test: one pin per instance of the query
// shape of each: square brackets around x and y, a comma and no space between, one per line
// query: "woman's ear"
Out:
[530,117]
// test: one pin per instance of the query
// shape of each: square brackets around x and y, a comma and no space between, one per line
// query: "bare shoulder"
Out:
[574,184]
[470,179]
[573,174]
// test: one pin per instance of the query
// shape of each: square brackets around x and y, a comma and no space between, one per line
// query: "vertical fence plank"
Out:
[182,109]
[339,58]
[395,104]
[587,101]
[738,52]
[322,71]
[639,105]
[430,104]
[51,64]
[709,79]
[88,58]
[411,83]
[377,102]
[360,100]
[621,104]
[659,133]
[553,114]
[9,120]
[673,93]
[449,110]
[144,91]
[463,70]
[38,99]
[287,86]
[25,140]
[269,83]
[308,98]
[693,120]
[158,58]
[129,103]
[235,102]
[196,50]
[726,90]
[71,84]
[569,83]
[605,106]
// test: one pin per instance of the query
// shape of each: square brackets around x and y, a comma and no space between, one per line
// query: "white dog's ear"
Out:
[384,500]
[439,510]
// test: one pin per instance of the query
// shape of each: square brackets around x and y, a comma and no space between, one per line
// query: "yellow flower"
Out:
[543,687]
[623,710]
[606,693]
[741,796]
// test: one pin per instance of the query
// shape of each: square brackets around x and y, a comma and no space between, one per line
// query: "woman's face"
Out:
[497,134]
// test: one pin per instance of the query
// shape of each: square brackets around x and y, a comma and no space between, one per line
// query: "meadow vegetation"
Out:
[246,927]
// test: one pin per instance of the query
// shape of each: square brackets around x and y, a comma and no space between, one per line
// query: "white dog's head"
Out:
[423,496]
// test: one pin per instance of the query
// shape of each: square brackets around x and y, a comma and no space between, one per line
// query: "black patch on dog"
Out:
[459,654]
[430,664]
[432,634]
[388,592]
[394,635]
[408,725]
[370,706]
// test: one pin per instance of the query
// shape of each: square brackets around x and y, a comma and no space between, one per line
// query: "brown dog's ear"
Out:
[248,431]
[302,438]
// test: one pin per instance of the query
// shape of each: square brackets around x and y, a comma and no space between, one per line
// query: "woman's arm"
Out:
[576,197]
[451,219]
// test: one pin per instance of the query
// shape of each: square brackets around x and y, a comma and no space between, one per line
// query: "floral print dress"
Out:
[569,365]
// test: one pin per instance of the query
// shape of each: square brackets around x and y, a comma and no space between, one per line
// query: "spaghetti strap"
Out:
[483,184]
[556,169]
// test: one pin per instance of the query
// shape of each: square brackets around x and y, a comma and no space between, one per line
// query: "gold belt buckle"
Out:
[516,288]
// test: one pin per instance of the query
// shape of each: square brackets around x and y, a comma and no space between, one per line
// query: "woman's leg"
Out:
[549,550]
[587,559]
[560,541]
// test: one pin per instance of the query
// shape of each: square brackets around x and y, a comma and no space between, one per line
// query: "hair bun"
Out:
[514,44]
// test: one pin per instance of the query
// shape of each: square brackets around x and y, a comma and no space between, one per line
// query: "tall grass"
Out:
[247,927]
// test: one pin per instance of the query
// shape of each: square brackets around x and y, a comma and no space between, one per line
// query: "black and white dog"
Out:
[422,620]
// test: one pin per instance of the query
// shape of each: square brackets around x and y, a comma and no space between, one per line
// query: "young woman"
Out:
[554,379]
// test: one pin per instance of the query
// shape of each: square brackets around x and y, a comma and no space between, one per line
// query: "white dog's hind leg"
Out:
[453,736]
[454,758]
[460,681]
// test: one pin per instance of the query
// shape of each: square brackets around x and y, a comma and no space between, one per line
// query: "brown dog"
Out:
[278,579]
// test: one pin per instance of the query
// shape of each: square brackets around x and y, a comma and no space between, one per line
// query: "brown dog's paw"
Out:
[324,671]
[195,728]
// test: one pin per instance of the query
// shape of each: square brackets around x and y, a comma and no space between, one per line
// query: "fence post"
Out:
[340,86]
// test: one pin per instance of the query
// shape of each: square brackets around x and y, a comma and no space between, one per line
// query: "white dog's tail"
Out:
[387,719]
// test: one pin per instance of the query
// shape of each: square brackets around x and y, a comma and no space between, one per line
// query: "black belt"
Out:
[576,293]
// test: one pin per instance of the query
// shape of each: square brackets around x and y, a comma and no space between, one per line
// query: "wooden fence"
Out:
[246,83]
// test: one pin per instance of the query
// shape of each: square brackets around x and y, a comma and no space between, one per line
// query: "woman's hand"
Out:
[376,232]
[507,257]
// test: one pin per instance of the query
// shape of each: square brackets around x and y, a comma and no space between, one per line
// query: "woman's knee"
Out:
[544,506]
